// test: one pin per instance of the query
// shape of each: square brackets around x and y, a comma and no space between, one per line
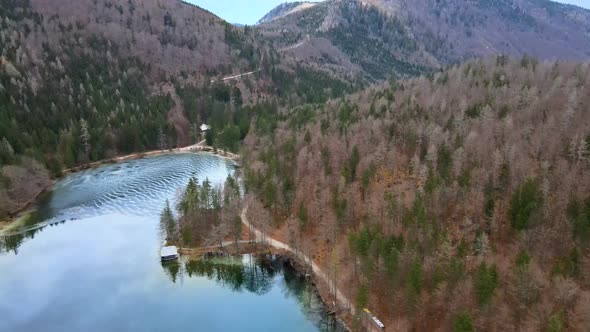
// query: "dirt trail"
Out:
[237,76]
[227,78]
[293,46]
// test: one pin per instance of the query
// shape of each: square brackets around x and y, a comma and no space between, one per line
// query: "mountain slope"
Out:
[284,9]
[172,35]
[403,37]
[458,199]
[87,80]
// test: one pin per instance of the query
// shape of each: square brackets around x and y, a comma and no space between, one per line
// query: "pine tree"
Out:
[463,323]
[162,140]
[6,151]
[573,149]
[85,137]
[570,112]
[582,150]
[482,244]
[485,283]
[167,222]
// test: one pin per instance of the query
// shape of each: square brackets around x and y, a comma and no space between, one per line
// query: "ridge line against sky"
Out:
[250,11]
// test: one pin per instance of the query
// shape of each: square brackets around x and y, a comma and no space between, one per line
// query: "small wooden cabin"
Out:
[169,253]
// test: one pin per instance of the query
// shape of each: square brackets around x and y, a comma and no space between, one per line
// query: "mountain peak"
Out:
[402,37]
[285,9]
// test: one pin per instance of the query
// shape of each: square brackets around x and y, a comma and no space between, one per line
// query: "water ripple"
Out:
[137,187]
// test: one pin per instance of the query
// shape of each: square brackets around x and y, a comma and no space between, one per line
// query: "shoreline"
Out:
[301,267]
[196,148]
[341,305]
[29,206]
[24,211]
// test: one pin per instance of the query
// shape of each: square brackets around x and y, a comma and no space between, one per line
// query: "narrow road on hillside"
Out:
[233,77]
[292,46]
[341,298]
[238,76]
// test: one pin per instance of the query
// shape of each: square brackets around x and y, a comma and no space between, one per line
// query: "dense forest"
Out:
[70,95]
[74,91]
[373,40]
[208,214]
[369,45]
[89,98]
[462,194]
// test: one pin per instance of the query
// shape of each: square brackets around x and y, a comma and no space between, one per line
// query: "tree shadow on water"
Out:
[232,272]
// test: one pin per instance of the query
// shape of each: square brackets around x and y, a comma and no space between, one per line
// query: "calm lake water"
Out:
[92,263]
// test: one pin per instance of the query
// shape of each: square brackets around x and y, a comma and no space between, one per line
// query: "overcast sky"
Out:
[239,11]
[250,11]
[581,3]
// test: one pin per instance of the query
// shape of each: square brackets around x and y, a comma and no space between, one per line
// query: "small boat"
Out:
[169,253]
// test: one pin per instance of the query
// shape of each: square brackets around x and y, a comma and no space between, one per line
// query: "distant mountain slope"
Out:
[171,35]
[285,9]
[458,201]
[86,80]
[402,37]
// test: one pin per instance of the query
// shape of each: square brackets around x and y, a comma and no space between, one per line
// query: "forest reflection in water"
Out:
[87,259]
[256,274]
[12,242]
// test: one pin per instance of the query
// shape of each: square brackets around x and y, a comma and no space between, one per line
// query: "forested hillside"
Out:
[87,80]
[375,39]
[454,201]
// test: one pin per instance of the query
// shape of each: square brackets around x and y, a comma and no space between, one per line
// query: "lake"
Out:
[89,261]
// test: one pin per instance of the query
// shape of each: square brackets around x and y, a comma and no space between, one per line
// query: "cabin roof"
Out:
[169,251]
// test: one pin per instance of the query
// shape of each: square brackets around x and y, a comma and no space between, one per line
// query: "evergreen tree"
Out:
[526,200]
[485,283]
[85,137]
[463,323]
[162,140]
[302,216]
[168,223]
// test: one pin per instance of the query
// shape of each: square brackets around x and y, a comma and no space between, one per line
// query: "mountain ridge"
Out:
[374,34]
[457,201]
[284,9]
[105,78]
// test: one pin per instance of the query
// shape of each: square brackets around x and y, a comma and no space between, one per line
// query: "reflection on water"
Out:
[137,188]
[11,243]
[89,261]
[256,275]
[236,273]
